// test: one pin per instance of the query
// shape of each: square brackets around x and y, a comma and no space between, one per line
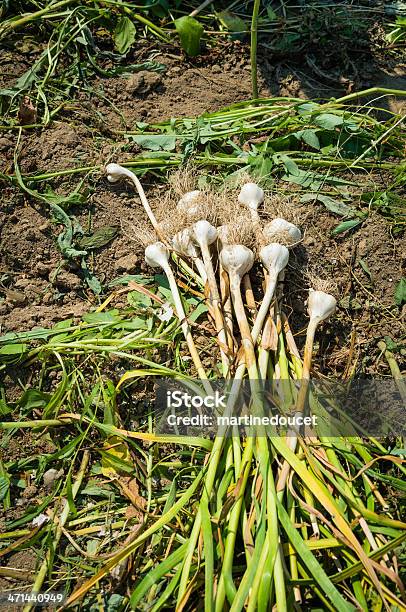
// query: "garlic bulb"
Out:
[320,305]
[115,173]
[275,258]
[251,195]
[157,255]
[187,203]
[204,233]
[237,260]
[183,244]
[280,229]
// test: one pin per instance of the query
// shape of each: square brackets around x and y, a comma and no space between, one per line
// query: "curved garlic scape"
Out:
[320,305]
[187,203]
[115,173]
[280,229]
[274,258]
[251,196]
[183,244]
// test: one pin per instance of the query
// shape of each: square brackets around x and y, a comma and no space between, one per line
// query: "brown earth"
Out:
[39,288]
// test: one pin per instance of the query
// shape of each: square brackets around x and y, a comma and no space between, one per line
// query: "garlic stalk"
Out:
[237,260]
[223,239]
[157,256]
[279,229]
[320,307]
[274,258]
[204,235]
[182,243]
[251,196]
[116,173]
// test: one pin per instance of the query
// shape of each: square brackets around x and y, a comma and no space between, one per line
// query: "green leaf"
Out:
[4,487]
[400,292]
[92,281]
[335,206]
[310,561]
[136,299]
[230,21]
[327,121]
[309,137]
[127,278]
[190,32]
[110,316]
[99,238]
[4,407]
[364,266]
[197,312]
[13,349]
[272,16]
[155,142]
[345,226]
[124,34]
[307,108]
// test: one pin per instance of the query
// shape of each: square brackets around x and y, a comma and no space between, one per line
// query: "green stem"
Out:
[254,45]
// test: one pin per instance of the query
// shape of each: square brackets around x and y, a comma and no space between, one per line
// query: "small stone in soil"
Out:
[67,280]
[125,264]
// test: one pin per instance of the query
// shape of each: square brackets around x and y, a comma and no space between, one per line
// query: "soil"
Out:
[38,287]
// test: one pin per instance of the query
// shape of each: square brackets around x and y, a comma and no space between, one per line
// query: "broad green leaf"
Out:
[272,16]
[190,32]
[13,349]
[110,316]
[328,121]
[400,292]
[124,34]
[32,398]
[136,299]
[290,166]
[4,407]
[92,281]
[307,108]
[155,142]
[99,238]
[345,226]
[309,137]
[127,278]
[335,206]
[197,312]
[232,22]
